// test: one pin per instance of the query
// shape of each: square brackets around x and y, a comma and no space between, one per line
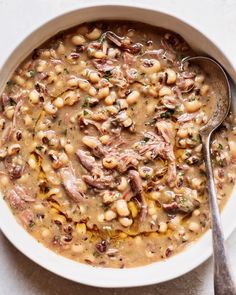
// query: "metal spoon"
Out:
[223,280]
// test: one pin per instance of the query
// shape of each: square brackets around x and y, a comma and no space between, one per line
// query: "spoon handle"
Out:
[223,280]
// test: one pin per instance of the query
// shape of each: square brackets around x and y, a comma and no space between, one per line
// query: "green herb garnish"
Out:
[85,102]
[32,223]
[85,113]
[167,114]
[12,101]
[220,146]
[32,73]
[66,71]
[39,148]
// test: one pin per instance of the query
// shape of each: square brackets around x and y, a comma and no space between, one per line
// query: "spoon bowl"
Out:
[223,280]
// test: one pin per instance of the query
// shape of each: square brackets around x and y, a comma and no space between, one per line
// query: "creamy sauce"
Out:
[100,149]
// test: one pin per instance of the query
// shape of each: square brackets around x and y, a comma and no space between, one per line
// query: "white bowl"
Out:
[158,272]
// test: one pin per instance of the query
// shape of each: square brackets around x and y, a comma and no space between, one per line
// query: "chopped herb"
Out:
[221,163]
[85,113]
[142,74]
[107,75]
[12,101]
[10,83]
[59,122]
[32,223]
[85,102]
[220,146]
[167,114]
[32,73]
[96,254]
[64,132]
[146,139]
[66,71]
[101,38]
[196,138]
[187,153]
[39,147]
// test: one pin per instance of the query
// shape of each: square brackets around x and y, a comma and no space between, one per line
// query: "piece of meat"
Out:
[103,182]
[128,159]
[18,197]
[157,53]
[181,204]
[124,43]
[85,123]
[26,217]
[166,130]
[89,163]
[103,65]
[73,185]
[137,188]
[6,135]
[169,102]
[187,117]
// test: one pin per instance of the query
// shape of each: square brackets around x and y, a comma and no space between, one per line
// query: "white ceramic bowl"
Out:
[158,272]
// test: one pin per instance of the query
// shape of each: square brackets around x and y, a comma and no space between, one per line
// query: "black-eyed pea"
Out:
[19,80]
[196,212]
[3,122]
[123,184]
[3,154]
[145,172]
[122,207]
[171,76]
[162,227]
[92,91]
[110,100]
[81,228]
[45,233]
[13,149]
[63,158]
[73,82]
[41,66]
[69,149]
[58,102]
[28,120]
[133,97]
[232,148]
[150,66]
[133,209]
[4,180]
[204,89]
[165,90]
[192,106]
[110,162]
[94,34]
[77,249]
[154,195]
[99,54]
[59,69]
[199,79]
[110,215]
[182,133]
[196,183]
[34,97]
[50,108]
[61,49]
[101,218]
[105,139]
[94,77]
[32,162]
[103,92]
[112,110]
[9,112]
[90,141]
[78,40]
[125,221]
[194,227]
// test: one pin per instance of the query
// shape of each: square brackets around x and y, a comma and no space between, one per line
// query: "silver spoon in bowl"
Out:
[223,280]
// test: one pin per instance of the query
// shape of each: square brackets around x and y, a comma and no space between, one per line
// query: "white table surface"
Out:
[20,276]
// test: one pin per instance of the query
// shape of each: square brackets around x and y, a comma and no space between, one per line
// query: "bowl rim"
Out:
[38,257]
